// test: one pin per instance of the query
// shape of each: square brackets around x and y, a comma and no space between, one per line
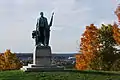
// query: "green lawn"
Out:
[82,75]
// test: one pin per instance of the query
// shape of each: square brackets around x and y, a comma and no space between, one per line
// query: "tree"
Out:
[98,48]
[116,33]
[108,53]
[89,45]
[117,12]
[9,61]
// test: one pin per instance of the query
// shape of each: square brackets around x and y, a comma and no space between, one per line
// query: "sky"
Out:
[18,19]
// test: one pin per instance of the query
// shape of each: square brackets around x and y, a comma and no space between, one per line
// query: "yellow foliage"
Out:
[9,61]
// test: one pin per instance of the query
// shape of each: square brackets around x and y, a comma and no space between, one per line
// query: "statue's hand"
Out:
[52,13]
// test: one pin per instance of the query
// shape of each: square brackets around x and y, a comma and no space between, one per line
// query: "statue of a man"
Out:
[41,25]
[42,32]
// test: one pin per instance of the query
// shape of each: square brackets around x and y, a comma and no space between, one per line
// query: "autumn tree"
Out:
[98,48]
[116,29]
[116,33]
[9,61]
[117,12]
[108,54]
[89,45]
[107,51]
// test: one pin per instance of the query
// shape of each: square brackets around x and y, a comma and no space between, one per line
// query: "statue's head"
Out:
[41,13]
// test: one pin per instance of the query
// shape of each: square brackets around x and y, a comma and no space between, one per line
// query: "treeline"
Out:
[100,48]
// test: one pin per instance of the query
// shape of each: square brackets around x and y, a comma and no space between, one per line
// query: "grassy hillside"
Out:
[83,75]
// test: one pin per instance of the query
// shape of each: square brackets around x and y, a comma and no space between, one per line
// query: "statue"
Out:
[42,32]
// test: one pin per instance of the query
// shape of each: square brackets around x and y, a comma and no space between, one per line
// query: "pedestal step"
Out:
[43,66]
[37,68]
[43,69]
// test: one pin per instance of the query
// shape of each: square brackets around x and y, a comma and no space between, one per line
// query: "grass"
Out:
[78,75]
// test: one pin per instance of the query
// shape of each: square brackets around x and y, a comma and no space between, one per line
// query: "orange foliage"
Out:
[9,61]
[80,62]
[116,30]
[89,46]
[116,33]
[117,12]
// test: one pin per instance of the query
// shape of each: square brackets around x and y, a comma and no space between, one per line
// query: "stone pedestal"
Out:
[41,60]
[42,56]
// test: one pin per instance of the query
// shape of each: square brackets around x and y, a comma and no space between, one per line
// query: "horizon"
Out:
[52,52]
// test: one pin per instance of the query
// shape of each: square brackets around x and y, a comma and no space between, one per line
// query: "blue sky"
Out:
[18,20]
